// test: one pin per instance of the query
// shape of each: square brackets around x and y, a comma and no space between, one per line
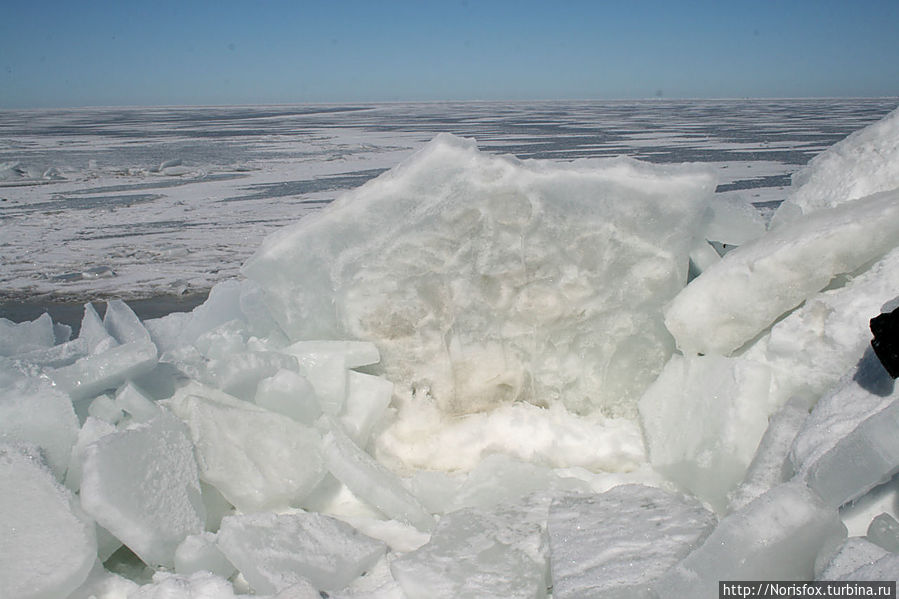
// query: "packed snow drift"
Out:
[476,376]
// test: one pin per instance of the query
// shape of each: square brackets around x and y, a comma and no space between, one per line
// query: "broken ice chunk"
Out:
[239,373]
[142,485]
[860,461]
[355,353]
[258,459]
[275,551]
[129,398]
[23,337]
[703,419]
[371,481]
[619,542]
[34,412]
[777,536]
[366,400]
[884,531]
[199,585]
[743,294]
[854,553]
[99,372]
[201,552]
[92,430]
[47,545]
[93,332]
[477,554]
[105,408]
[289,393]
[122,323]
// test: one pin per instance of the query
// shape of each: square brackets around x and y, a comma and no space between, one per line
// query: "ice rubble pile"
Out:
[436,389]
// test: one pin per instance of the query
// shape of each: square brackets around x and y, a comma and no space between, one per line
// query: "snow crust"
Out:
[436,389]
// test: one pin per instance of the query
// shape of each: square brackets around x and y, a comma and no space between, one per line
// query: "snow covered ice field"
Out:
[473,376]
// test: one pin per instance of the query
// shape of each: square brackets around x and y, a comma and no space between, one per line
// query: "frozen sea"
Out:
[165,202]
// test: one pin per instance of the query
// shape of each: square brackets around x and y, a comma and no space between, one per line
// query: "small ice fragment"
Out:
[199,585]
[367,399]
[201,552]
[142,485]
[854,553]
[93,332]
[258,459]
[777,536]
[47,545]
[122,323]
[355,353]
[884,531]
[129,398]
[275,551]
[99,372]
[23,337]
[289,393]
[239,373]
[105,408]
[102,584]
[92,429]
[620,542]
[489,555]
[371,481]
[866,457]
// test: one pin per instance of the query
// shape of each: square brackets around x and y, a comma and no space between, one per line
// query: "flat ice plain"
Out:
[478,376]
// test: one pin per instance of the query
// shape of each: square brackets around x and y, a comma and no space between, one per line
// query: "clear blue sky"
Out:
[68,53]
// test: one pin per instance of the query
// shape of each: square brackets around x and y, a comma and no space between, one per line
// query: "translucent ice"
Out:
[20,338]
[201,552]
[852,554]
[142,485]
[778,536]
[864,163]
[289,393]
[743,294]
[486,280]
[47,545]
[99,372]
[618,543]
[884,531]
[258,459]
[274,551]
[199,585]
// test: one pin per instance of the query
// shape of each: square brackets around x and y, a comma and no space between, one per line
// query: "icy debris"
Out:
[258,459]
[32,411]
[367,398]
[739,297]
[123,325]
[472,553]
[105,408]
[289,393]
[733,221]
[884,531]
[864,163]
[370,480]
[884,569]
[851,555]
[703,418]
[131,400]
[861,460]
[101,584]
[618,543]
[142,485]
[777,536]
[485,279]
[199,585]
[92,430]
[771,464]
[200,552]
[106,370]
[275,551]
[47,545]
[325,365]
[20,338]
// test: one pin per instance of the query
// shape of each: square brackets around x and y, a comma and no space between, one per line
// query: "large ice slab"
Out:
[472,553]
[743,294]
[616,544]
[778,536]
[142,485]
[258,459]
[703,419]
[864,163]
[485,279]
[47,545]
[275,551]
[24,337]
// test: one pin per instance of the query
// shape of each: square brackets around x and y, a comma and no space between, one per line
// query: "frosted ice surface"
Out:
[863,392]
[743,294]
[106,370]
[201,552]
[703,419]
[94,332]
[378,583]
[92,430]
[275,551]
[20,338]
[371,481]
[142,485]
[123,324]
[851,555]
[733,221]
[325,365]
[477,554]
[199,585]
[289,393]
[863,459]
[486,280]
[47,545]
[616,544]
[884,569]
[884,531]
[778,536]
[864,163]
[771,464]
[367,399]
[105,408]
[258,459]
[101,584]
[130,399]
[34,412]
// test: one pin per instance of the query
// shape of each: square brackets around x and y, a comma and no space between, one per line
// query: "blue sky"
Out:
[55,54]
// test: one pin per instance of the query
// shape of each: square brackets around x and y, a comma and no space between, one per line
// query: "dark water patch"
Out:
[756,183]
[161,184]
[83,203]
[346,181]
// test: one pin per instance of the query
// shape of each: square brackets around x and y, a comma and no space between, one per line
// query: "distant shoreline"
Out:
[70,311]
